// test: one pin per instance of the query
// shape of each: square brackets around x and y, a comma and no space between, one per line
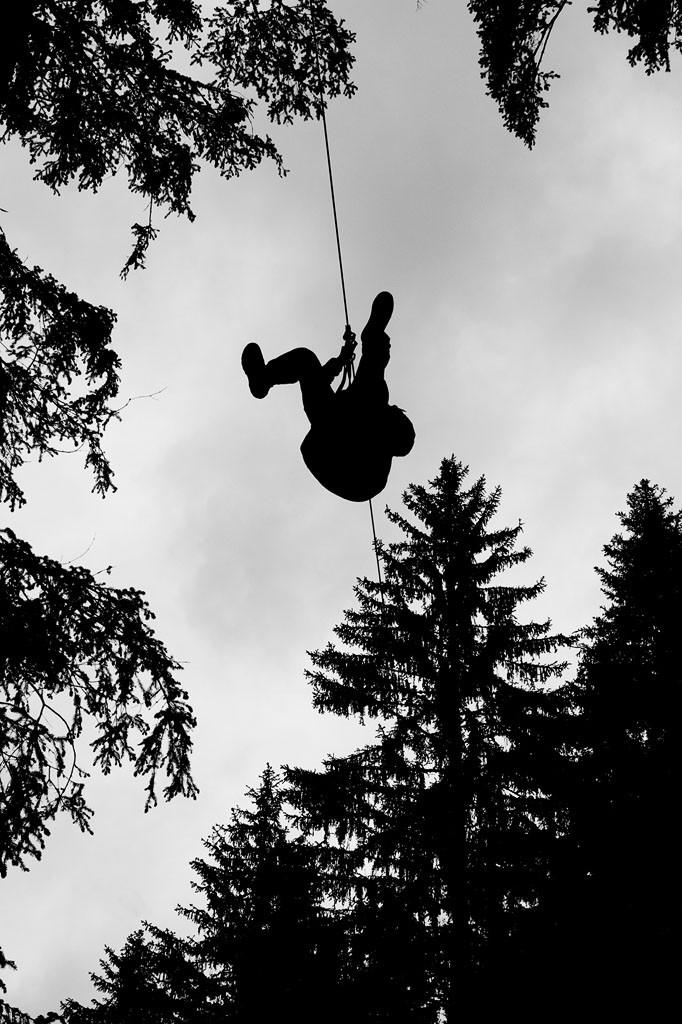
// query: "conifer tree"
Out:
[624,802]
[266,945]
[130,988]
[265,940]
[153,980]
[441,823]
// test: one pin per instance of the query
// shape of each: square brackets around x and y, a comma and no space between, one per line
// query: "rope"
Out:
[349,371]
[329,165]
[376,555]
[336,219]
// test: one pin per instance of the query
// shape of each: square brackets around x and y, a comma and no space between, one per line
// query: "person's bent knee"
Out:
[307,363]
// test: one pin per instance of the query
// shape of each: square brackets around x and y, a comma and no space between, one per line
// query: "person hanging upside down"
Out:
[354,433]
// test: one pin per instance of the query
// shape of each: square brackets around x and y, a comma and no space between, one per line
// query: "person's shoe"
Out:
[382,310]
[253,366]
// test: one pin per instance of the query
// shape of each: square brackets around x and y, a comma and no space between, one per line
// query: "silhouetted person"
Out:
[354,433]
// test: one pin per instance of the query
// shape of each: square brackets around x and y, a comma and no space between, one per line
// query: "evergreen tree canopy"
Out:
[265,938]
[514,35]
[92,87]
[155,89]
[157,86]
[266,946]
[624,827]
[503,843]
[51,338]
[442,818]
[153,980]
[73,649]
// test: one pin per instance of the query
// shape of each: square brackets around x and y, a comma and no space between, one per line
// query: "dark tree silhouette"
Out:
[139,984]
[267,946]
[619,902]
[157,86]
[265,936]
[514,35]
[51,338]
[441,819]
[11,1015]
[72,649]
[4,962]
[503,844]
[91,87]
[155,979]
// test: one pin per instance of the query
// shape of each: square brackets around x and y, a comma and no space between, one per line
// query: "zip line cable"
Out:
[348,334]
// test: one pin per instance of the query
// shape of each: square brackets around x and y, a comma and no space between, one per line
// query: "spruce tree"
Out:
[155,979]
[625,796]
[265,938]
[441,822]
[131,985]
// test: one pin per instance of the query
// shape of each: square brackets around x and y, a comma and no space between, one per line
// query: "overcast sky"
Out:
[536,337]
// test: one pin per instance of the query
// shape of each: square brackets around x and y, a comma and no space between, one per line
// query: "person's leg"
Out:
[376,351]
[299,366]
[380,314]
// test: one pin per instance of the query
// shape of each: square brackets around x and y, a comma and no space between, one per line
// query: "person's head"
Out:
[400,431]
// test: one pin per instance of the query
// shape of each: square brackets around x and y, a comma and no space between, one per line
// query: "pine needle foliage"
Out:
[266,939]
[625,795]
[74,652]
[52,343]
[91,88]
[156,87]
[444,809]
[153,980]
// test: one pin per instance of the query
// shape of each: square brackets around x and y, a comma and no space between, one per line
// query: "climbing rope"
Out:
[348,335]
[323,115]
[376,556]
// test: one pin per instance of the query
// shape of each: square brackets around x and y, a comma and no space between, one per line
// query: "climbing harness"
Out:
[348,335]
[349,365]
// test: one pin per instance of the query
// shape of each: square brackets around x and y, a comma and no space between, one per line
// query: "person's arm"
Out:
[333,367]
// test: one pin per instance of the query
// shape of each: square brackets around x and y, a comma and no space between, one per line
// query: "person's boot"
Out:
[253,366]
[382,310]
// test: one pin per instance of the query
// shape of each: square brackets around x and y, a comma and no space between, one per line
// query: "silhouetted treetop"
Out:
[642,566]
[514,35]
[73,650]
[625,792]
[92,86]
[267,937]
[441,824]
[49,338]
[630,663]
[154,979]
